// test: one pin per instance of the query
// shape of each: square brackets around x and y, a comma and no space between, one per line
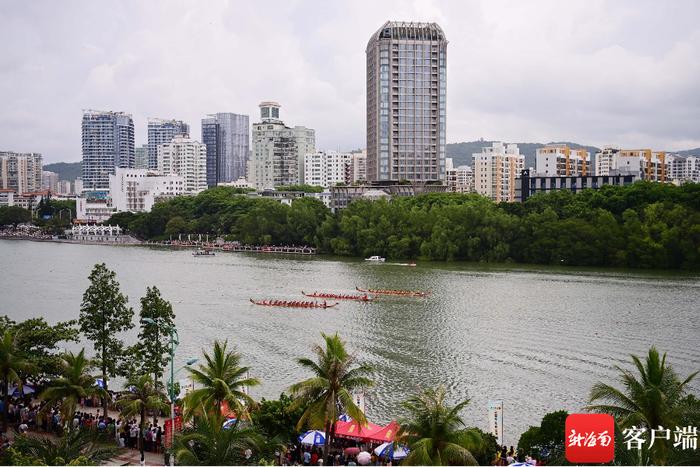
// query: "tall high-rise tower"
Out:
[227,138]
[108,142]
[162,131]
[406,91]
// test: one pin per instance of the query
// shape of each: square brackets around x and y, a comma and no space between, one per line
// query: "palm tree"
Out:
[208,443]
[79,447]
[435,432]
[222,380]
[328,393]
[11,363]
[74,384]
[651,399]
[142,396]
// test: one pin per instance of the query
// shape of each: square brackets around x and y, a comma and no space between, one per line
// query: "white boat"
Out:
[203,252]
[376,259]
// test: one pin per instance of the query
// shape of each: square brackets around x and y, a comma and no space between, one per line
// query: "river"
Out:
[535,337]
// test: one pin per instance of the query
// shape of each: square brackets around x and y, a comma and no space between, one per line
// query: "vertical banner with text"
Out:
[495,420]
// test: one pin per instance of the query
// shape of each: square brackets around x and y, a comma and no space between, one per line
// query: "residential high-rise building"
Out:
[78,186]
[555,160]
[459,179]
[226,136]
[108,142]
[606,160]
[64,187]
[276,149]
[137,190]
[49,181]
[406,102]
[495,170]
[306,144]
[326,168]
[187,158]
[161,131]
[20,172]
[686,169]
[655,166]
[141,157]
[357,170]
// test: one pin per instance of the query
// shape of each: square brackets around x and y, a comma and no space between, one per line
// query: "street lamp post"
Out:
[174,342]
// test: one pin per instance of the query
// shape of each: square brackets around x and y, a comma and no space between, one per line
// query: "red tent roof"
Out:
[368,432]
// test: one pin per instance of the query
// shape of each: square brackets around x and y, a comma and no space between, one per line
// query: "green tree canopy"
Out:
[104,313]
[434,431]
[328,393]
[222,379]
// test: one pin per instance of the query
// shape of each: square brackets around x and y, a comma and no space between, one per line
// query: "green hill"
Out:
[66,170]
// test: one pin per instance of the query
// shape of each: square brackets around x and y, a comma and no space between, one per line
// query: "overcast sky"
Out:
[594,72]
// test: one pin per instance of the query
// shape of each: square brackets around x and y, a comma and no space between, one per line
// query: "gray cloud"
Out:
[596,72]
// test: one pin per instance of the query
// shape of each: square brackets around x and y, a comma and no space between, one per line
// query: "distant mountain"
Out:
[66,170]
[461,153]
[688,152]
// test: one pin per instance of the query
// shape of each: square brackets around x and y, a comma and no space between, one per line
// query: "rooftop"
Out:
[409,30]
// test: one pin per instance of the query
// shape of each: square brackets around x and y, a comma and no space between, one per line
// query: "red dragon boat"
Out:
[400,293]
[359,298]
[293,303]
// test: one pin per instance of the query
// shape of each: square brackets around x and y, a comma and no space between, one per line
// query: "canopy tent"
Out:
[368,432]
[226,411]
[354,430]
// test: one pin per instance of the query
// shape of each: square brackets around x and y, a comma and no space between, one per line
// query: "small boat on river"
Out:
[293,303]
[359,298]
[203,252]
[400,293]
[375,259]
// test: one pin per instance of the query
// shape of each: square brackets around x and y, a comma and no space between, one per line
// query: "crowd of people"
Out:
[27,414]
[313,456]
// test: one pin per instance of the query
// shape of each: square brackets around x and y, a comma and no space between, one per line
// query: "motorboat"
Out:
[203,252]
[375,259]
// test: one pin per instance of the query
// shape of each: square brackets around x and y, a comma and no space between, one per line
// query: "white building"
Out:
[64,188]
[93,209]
[78,186]
[186,158]
[686,169]
[278,150]
[137,190]
[306,144]
[458,179]
[495,170]
[656,166]
[49,181]
[559,160]
[98,233]
[358,168]
[326,168]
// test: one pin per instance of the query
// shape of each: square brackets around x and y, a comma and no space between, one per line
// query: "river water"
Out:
[535,337]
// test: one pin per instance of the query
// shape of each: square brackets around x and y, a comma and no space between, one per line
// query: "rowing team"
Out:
[293,303]
[364,297]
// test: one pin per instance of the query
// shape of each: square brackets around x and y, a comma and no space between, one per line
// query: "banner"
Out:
[495,420]
[167,437]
